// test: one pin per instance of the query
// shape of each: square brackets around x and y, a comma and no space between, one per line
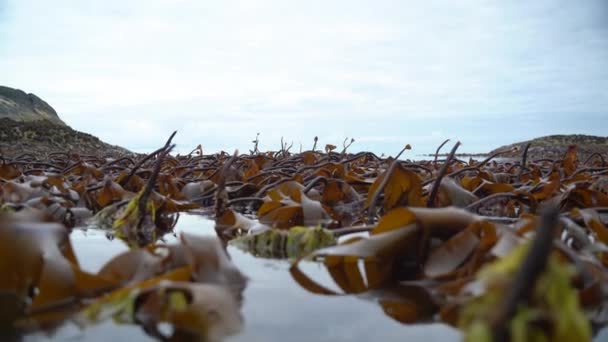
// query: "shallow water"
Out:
[275,307]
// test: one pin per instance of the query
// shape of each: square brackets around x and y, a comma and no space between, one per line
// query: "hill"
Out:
[553,146]
[30,125]
[19,106]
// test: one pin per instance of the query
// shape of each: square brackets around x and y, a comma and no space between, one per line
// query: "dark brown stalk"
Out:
[516,166]
[268,173]
[525,279]
[311,167]
[198,149]
[314,182]
[286,161]
[116,161]
[262,192]
[199,169]
[431,201]
[595,155]
[360,155]
[439,149]
[151,183]
[25,155]
[126,180]
[416,166]
[587,169]
[221,196]
[494,155]
[477,204]
[372,204]
[256,142]
[64,154]
[70,168]
[282,147]
[524,159]
[346,146]
[286,152]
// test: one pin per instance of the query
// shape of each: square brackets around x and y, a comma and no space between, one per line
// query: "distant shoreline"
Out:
[456,155]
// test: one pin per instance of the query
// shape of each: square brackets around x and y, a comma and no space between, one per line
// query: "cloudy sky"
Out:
[384,72]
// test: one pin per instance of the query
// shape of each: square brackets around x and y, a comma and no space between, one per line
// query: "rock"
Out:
[19,106]
[554,146]
[30,125]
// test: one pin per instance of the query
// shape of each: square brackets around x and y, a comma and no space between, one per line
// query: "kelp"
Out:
[281,244]
[434,240]
[192,285]
[47,274]
[554,312]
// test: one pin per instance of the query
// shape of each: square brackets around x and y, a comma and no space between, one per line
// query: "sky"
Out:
[385,73]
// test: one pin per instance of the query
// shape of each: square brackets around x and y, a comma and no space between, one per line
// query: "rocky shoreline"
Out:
[549,147]
[40,138]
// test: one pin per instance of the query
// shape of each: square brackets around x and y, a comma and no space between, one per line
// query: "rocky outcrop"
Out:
[41,138]
[19,106]
[30,125]
[554,146]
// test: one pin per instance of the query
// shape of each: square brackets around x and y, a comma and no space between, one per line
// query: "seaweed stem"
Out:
[431,201]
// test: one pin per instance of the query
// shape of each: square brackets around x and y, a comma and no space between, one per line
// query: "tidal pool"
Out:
[275,307]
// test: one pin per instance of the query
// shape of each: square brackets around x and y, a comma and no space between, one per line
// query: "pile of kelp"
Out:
[504,250]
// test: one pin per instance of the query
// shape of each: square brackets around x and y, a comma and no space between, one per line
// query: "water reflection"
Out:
[93,249]
[275,307]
